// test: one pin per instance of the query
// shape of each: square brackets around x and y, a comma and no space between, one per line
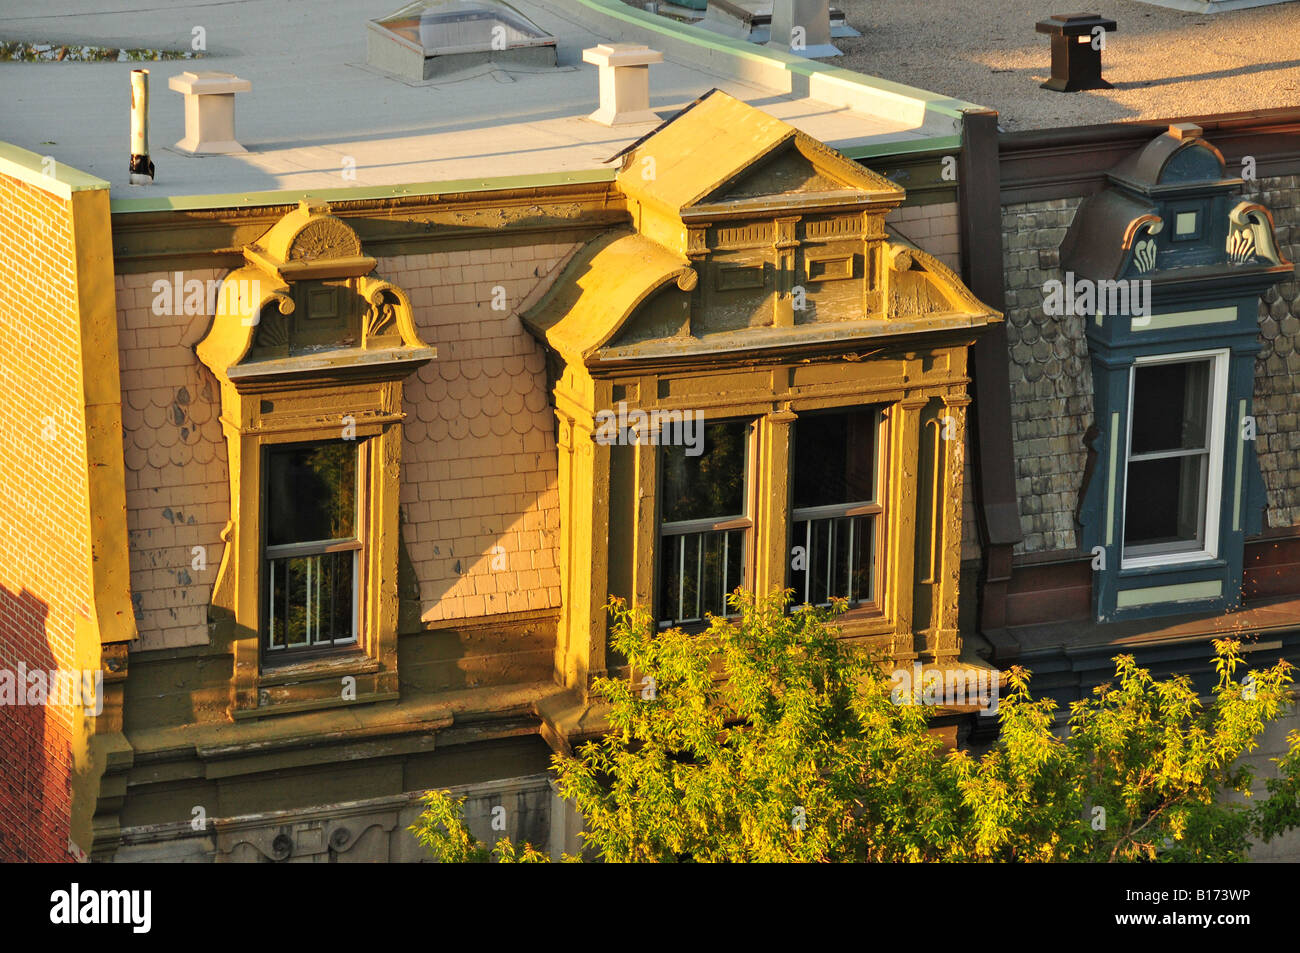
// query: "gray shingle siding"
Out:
[1277,369]
[1051,381]
[1051,385]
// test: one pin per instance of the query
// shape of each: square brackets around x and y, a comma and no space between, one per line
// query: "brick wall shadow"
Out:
[35,755]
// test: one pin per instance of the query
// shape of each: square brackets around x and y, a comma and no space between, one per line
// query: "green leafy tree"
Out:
[768,738]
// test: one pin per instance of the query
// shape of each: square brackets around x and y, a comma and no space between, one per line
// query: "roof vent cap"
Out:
[624,71]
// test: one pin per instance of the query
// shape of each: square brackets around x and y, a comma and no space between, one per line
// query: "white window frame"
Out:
[1217,421]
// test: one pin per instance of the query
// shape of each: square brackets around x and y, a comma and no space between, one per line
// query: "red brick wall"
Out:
[44,551]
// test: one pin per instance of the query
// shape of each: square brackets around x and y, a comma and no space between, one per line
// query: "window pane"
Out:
[1170,403]
[311,600]
[1165,500]
[311,492]
[697,572]
[711,485]
[835,458]
[837,559]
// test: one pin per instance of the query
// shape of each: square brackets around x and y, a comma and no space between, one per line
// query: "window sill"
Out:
[312,704]
[350,661]
[862,620]
[336,680]
[1202,563]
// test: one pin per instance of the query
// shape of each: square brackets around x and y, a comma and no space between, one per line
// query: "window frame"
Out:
[1217,407]
[269,656]
[876,508]
[744,522]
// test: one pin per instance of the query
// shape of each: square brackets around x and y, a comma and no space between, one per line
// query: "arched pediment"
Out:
[306,301]
[310,243]
[1172,214]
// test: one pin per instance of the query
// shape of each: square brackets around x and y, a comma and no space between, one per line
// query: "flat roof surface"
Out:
[1163,63]
[319,118]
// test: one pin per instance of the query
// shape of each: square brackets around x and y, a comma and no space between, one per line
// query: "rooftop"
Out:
[319,119]
[1163,63]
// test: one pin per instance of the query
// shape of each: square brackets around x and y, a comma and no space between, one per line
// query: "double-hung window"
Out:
[705,524]
[1177,405]
[835,521]
[312,564]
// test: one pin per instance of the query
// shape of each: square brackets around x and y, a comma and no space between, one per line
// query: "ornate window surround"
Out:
[285,378]
[758,283]
[1202,300]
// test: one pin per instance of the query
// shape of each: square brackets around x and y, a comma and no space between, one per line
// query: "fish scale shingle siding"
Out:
[1277,369]
[1051,383]
[479,502]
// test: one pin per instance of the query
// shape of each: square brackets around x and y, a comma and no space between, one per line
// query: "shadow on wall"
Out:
[35,755]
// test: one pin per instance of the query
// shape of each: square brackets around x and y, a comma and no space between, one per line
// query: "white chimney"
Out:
[803,27]
[209,111]
[624,82]
[141,165]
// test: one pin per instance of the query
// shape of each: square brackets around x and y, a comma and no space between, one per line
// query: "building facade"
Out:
[365,466]
[318,490]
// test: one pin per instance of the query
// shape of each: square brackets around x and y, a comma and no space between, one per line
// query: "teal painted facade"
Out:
[1193,259]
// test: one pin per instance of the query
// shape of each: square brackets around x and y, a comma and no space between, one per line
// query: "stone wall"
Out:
[371,831]
[932,228]
[480,498]
[1277,369]
[177,483]
[1051,381]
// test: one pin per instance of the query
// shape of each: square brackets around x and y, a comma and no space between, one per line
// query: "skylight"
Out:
[430,38]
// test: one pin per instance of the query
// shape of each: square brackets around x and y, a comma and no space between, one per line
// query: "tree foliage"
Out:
[769,738]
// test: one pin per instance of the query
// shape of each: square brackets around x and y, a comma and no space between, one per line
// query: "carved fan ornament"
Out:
[1144,256]
[381,314]
[273,332]
[1253,235]
[324,238]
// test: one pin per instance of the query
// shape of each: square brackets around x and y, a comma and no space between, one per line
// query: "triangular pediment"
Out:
[788,172]
[797,172]
[721,153]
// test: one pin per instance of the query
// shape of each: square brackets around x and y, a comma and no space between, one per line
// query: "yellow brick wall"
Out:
[44,542]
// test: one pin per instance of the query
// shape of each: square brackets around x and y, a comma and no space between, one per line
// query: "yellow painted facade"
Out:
[758,283]
[309,345]
[735,268]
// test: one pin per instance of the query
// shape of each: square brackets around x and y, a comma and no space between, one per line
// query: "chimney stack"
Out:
[141,165]
[803,27]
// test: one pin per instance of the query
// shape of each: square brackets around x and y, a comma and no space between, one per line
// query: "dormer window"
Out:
[1176,487]
[310,349]
[760,291]
[1175,459]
